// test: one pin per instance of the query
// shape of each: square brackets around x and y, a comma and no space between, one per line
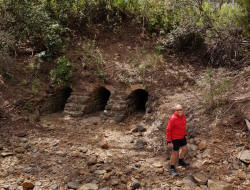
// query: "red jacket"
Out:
[176,128]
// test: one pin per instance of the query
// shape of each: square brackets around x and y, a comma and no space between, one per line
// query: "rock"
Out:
[196,164]
[106,176]
[140,144]
[104,146]
[60,153]
[24,140]
[88,186]
[200,178]
[92,160]
[109,168]
[21,134]
[218,185]
[241,174]
[115,182]
[160,170]
[135,185]
[100,172]
[202,187]
[105,188]
[19,150]
[83,149]
[187,181]
[158,165]
[53,187]
[73,185]
[202,145]
[38,183]
[229,179]
[192,147]
[5,154]
[244,156]
[139,128]
[138,165]
[37,188]
[28,185]
[75,154]
[248,168]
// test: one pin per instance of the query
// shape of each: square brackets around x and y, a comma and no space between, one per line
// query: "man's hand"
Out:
[170,145]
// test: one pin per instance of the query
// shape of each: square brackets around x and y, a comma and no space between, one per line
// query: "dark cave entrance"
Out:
[137,101]
[99,99]
[56,102]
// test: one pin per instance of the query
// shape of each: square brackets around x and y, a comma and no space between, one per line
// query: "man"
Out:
[176,138]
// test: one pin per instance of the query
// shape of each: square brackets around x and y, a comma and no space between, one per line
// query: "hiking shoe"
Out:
[182,163]
[173,172]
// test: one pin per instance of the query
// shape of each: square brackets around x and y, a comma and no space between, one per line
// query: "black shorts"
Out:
[179,143]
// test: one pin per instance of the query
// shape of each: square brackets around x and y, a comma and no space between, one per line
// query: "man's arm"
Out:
[169,130]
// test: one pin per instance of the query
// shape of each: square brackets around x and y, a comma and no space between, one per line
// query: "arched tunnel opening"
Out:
[137,101]
[99,100]
[56,102]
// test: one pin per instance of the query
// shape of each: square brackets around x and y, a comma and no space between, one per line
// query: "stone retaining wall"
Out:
[117,107]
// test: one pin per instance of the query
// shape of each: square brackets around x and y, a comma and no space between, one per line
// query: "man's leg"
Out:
[173,158]
[182,156]
[183,152]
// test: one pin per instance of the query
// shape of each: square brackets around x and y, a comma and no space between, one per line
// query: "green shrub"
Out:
[245,18]
[30,24]
[62,74]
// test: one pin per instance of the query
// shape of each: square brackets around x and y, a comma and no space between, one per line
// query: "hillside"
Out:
[87,88]
[61,152]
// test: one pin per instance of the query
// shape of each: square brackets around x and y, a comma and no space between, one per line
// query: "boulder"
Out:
[200,178]
[244,156]
[28,185]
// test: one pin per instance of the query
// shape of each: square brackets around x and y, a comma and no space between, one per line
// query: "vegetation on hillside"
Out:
[46,28]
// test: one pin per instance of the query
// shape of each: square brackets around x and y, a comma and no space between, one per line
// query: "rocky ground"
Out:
[66,153]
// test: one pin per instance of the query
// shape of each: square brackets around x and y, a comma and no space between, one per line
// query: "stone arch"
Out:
[98,99]
[136,101]
[56,101]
